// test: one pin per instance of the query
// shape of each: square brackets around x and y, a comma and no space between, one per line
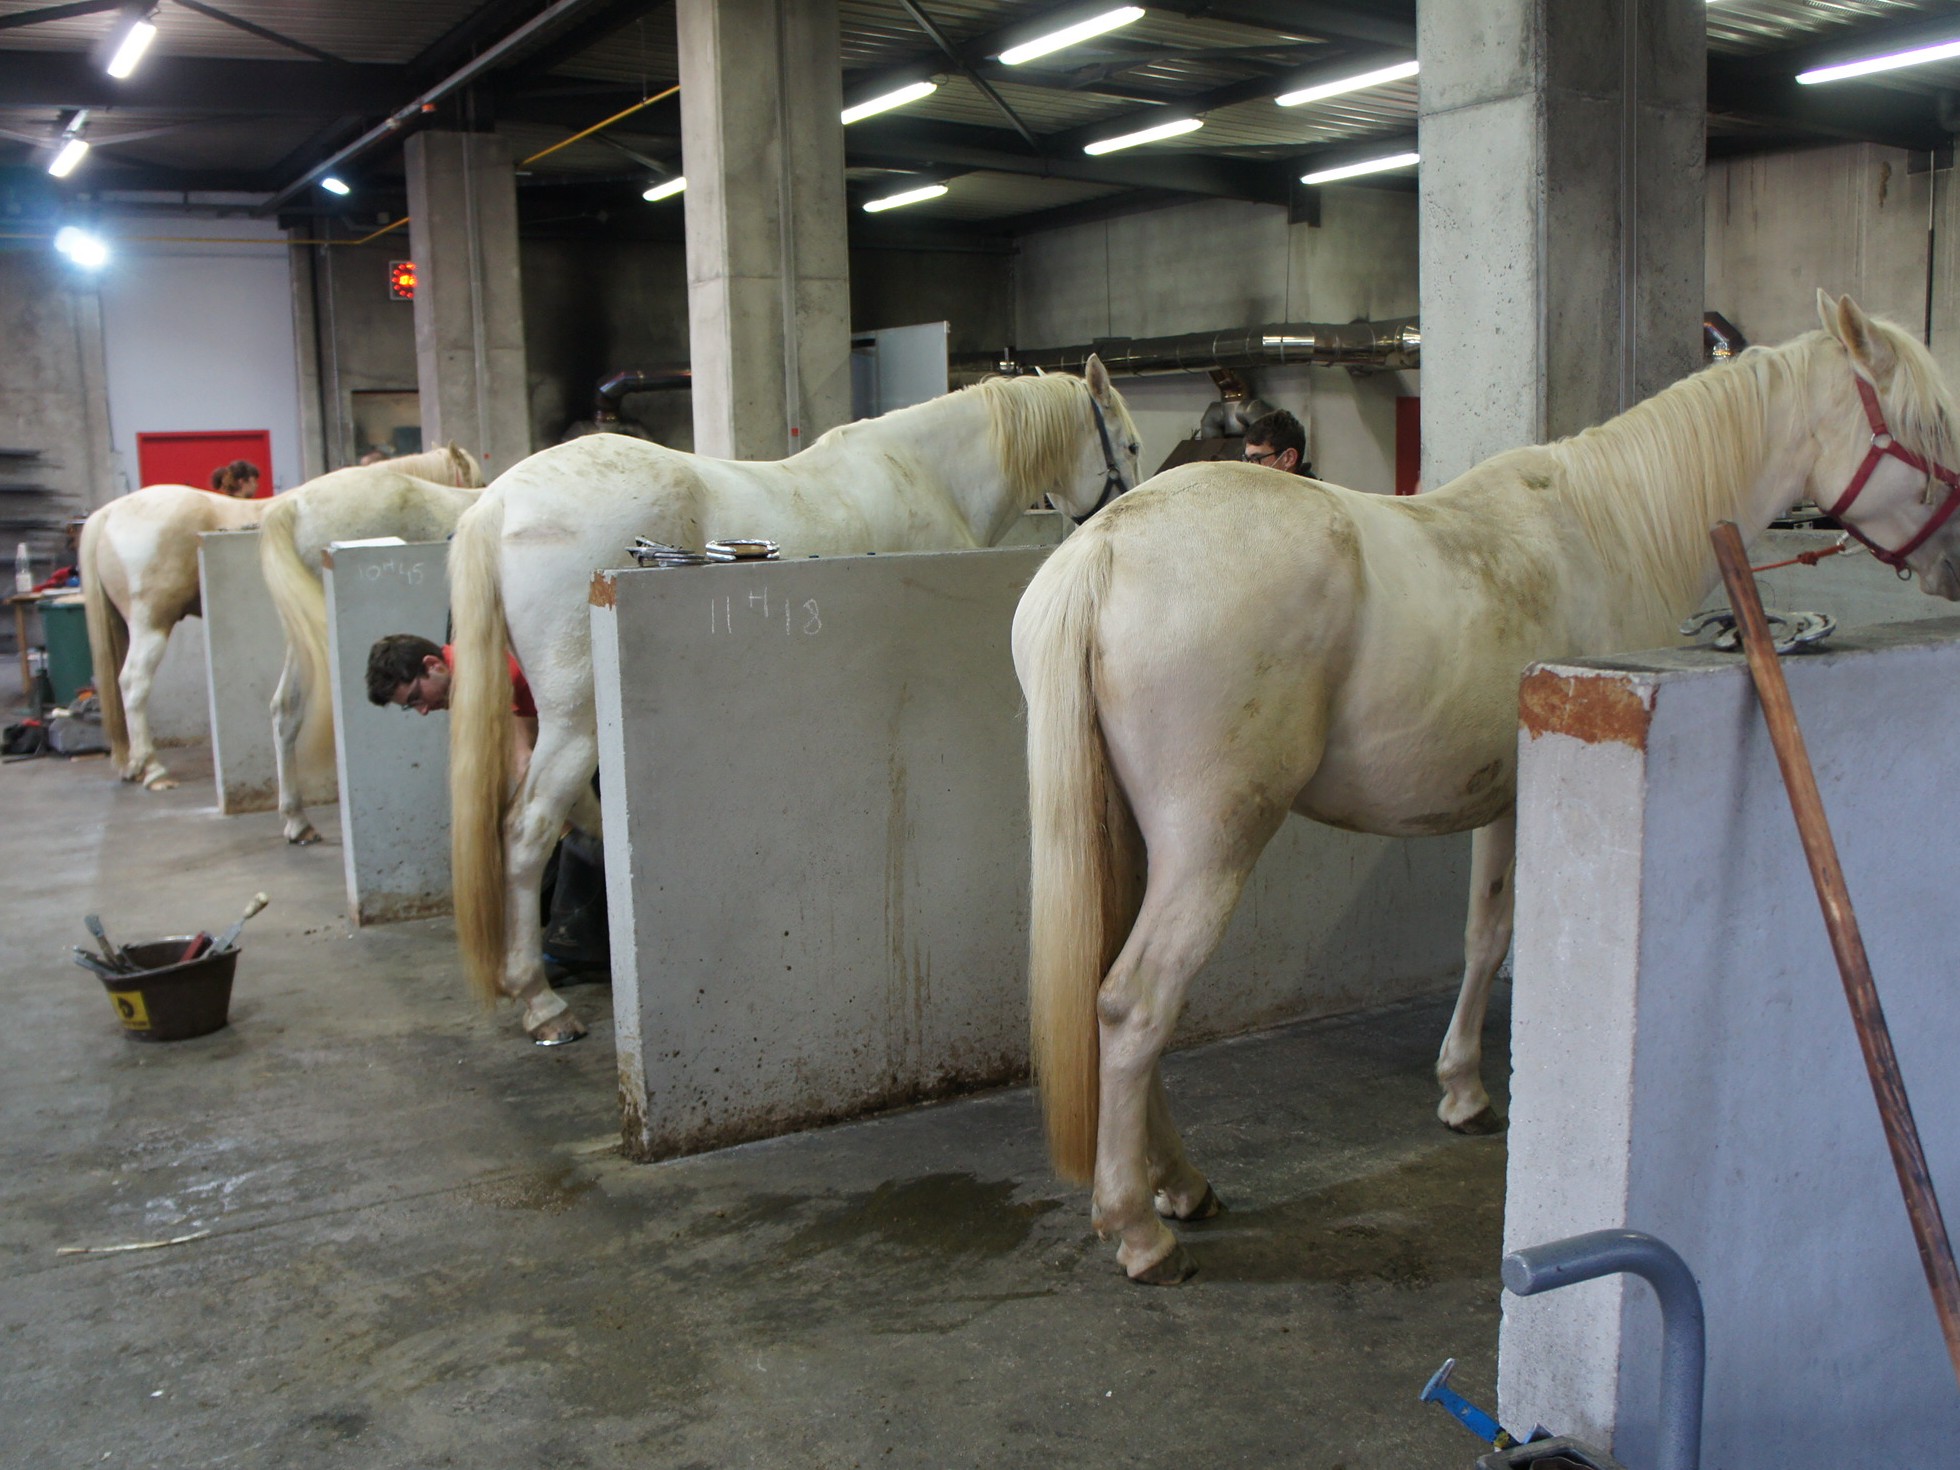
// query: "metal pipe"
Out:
[1396,343]
[1684,1344]
[631,380]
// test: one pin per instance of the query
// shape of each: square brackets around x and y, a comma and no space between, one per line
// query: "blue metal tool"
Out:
[1474,1419]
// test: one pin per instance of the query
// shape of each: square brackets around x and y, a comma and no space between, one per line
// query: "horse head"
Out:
[1109,463]
[1885,471]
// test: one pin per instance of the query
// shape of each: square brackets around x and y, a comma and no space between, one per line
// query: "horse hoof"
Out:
[559,1031]
[160,783]
[1173,1270]
[1480,1124]
[305,837]
[1205,1209]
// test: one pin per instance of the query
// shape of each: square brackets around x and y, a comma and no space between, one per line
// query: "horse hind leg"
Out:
[288,715]
[1181,1192]
[137,678]
[560,769]
[1486,937]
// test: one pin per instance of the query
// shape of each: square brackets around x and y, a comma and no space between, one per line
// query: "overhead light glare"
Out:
[136,40]
[1147,135]
[665,189]
[1366,166]
[886,103]
[1944,51]
[335,186]
[1401,71]
[899,201]
[1097,25]
[72,151]
[86,250]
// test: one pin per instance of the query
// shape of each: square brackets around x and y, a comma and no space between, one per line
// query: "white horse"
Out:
[1225,646]
[957,471]
[418,497]
[139,580]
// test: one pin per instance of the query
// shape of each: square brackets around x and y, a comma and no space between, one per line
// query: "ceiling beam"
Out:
[602,20]
[1384,23]
[56,12]
[201,84]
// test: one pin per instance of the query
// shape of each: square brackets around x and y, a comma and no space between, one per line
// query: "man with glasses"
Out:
[1277,441]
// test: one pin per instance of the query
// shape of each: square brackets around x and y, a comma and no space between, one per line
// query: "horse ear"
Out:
[1827,310]
[1869,350]
[1097,377]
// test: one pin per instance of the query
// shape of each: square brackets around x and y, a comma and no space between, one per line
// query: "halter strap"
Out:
[1113,485]
[1884,445]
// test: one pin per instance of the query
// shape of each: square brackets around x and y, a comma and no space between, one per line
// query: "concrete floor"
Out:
[424,1249]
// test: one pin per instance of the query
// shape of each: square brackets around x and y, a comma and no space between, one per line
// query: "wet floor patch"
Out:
[546,1191]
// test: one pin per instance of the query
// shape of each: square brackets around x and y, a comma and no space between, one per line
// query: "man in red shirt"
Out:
[414,673]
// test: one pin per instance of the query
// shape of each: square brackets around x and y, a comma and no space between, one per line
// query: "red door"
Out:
[189,458]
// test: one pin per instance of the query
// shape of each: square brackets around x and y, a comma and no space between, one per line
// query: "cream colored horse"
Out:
[1225,646]
[418,497]
[954,472]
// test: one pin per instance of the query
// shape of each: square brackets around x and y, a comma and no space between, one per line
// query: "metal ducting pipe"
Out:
[1390,344]
[605,409]
[1720,341]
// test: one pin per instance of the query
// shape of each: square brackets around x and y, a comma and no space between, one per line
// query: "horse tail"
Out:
[479,743]
[301,602]
[1087,854]
[108,637]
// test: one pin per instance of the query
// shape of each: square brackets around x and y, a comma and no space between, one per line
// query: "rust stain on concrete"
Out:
[1595,708]
[603,590]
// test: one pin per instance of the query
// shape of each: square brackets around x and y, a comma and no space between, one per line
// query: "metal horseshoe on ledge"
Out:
[1789,631]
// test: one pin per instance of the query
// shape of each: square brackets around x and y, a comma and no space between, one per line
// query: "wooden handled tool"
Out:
[229,938]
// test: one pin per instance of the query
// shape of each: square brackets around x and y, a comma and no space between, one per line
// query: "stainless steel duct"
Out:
[631,380]
[1396,343]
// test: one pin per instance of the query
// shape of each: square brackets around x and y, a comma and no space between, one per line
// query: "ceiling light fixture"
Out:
[72,151]
[1175,128]
[1944,51]
[136,40]
[910,93]
[1382,75]
[1096,25]
[1356,170]
[86,250]
[899,201]
[335,185]
[665,189]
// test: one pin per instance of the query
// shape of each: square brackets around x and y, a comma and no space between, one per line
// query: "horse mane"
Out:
[1034,424]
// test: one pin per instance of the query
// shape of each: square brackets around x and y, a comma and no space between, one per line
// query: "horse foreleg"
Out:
[146,645]
[1184,912]
[1486,937]
[288,715]
[561,768]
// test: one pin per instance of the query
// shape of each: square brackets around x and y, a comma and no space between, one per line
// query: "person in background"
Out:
[413,673]
[1278,441]
[375,456]
[239,480]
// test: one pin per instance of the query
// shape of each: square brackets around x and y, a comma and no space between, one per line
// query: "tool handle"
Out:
[229,938]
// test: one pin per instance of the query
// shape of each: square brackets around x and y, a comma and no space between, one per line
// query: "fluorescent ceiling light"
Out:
[1945,51]
[80,246]
[136,40]
[1395,73]
[1170,129]
[335,186]
[1109,20]
[1356,170]
[910,196]
[72,152]
[886,103]
[665,189]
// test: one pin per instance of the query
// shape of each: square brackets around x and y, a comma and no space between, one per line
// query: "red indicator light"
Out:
[401,279]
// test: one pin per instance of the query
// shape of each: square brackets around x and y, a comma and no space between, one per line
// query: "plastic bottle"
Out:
[23,569]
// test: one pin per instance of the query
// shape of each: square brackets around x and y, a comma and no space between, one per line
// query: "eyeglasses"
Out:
[1267,458]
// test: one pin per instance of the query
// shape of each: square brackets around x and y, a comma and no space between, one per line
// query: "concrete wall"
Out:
[200,335]
[816,848]
[1223,264]
[393,764]
[180,699]
[355,338]
[1683,1062]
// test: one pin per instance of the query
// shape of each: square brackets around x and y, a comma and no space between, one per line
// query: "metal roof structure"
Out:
[252,97]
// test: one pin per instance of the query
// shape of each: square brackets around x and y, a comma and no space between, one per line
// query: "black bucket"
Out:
[174,1000]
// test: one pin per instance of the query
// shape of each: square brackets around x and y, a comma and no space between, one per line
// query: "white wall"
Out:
[199,335]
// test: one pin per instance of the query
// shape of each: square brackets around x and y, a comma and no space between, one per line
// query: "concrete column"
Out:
[768,267]
[469,308]
[1561,217]
[306,350]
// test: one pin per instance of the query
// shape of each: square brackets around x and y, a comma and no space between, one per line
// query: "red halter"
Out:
[1884,444]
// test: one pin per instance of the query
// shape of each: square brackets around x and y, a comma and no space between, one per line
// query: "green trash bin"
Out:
[64,625]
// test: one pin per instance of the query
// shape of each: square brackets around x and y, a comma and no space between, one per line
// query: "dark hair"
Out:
[1279,431]
[394,661]
[229,479]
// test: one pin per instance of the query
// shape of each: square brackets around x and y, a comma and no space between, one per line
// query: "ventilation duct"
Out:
[605,409]
[1364,346]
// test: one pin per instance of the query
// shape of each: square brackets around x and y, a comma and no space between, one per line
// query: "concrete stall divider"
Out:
[393,764]
[813,776]
[180,699]
[1683,1060]
[244,649]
